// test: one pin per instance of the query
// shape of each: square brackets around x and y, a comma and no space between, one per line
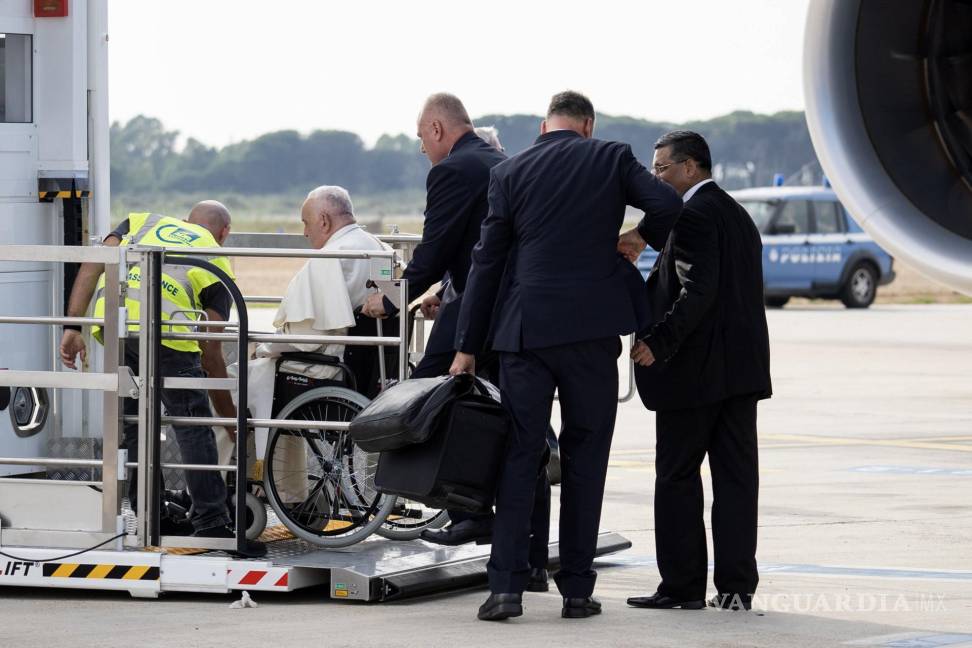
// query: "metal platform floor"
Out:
[373,570]
[383,570]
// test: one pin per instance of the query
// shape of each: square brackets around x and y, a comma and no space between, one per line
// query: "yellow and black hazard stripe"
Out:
[111,572]
[49,196]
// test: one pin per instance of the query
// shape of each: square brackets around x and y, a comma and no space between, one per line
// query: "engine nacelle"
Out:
[888,88]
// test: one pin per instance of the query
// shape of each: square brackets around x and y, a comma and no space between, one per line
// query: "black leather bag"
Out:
[406,413]
[458,466]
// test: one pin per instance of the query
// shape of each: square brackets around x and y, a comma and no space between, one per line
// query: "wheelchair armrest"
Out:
[312,358]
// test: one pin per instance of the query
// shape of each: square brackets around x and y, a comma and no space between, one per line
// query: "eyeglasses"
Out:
[660,168]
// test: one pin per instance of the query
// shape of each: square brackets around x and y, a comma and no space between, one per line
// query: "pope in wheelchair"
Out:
[316,303]
[317,481]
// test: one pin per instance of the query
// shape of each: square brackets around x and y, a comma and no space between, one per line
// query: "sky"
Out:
[227,70]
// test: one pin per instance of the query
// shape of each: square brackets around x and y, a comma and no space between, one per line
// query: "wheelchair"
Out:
[318,482]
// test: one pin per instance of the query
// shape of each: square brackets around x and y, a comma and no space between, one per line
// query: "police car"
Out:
[811,247]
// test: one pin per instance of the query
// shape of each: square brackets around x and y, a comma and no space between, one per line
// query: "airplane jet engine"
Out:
[888,89]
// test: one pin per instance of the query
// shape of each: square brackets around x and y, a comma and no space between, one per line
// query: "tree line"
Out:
[747,149]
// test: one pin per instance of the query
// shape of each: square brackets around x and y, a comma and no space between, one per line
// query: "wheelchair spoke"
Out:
[325,465]
[336,509]
[303,506]
[310,436]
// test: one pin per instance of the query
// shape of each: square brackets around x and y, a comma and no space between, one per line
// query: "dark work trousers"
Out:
[586,375]
[727,432]
[197,444]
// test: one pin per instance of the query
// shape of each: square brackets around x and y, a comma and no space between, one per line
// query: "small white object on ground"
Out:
[244,602]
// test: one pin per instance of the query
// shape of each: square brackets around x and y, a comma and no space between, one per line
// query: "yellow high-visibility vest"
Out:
[181,285]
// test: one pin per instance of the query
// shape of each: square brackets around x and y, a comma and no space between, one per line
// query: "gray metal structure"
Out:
[42,520]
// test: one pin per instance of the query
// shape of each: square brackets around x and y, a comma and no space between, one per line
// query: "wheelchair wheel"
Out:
[409,518]
[320,484]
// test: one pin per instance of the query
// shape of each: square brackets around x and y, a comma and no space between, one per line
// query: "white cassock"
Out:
[316,303]
[356,271]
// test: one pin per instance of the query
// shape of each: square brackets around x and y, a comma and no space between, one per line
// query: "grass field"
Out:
[380,213]
[275,212]
[270,277]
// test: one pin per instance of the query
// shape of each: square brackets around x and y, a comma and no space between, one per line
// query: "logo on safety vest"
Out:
[175,234]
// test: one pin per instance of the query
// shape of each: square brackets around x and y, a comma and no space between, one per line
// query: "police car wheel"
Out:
[861,287]
[776,302]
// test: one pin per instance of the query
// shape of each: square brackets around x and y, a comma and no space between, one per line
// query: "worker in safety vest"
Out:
[186,291]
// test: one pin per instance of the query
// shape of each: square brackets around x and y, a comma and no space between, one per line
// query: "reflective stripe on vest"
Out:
[180,284]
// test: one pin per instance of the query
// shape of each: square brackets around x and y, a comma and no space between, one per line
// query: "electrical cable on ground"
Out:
[70,555]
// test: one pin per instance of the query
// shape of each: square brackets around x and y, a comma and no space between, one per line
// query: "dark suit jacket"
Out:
[555,210]
[705,292]
[454,211]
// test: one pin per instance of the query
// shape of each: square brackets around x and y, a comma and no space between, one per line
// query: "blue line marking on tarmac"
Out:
[929,641]
[826,570]
[912,470]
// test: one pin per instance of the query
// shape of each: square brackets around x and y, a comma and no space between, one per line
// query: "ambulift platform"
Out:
[373,570]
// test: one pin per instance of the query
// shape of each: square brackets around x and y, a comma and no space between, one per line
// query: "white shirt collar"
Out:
[341,233]
[691,192]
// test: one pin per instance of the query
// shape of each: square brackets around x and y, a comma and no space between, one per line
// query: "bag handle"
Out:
[470,383]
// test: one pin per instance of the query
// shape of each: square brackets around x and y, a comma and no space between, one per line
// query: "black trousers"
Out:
[197,444]
[586,375]
[726,431]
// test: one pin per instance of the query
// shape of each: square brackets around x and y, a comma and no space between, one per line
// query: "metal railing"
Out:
[119,382]
[114,383]
[403,244]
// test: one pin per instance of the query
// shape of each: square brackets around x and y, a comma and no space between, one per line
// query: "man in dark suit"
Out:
[548,249]
[702,365]
[455,208]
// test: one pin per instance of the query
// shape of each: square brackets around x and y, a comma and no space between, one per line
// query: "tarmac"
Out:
[865,521]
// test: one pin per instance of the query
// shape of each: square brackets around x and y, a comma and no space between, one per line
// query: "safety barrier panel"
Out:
[117,381]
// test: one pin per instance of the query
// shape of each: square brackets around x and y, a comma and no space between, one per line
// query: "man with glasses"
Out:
[702,365]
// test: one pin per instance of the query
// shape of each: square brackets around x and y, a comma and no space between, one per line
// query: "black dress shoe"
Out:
[731,601]
[501,606]
[538,580]
[251,549]
[658,601]
[580,608]
[478,531]
[179,497]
